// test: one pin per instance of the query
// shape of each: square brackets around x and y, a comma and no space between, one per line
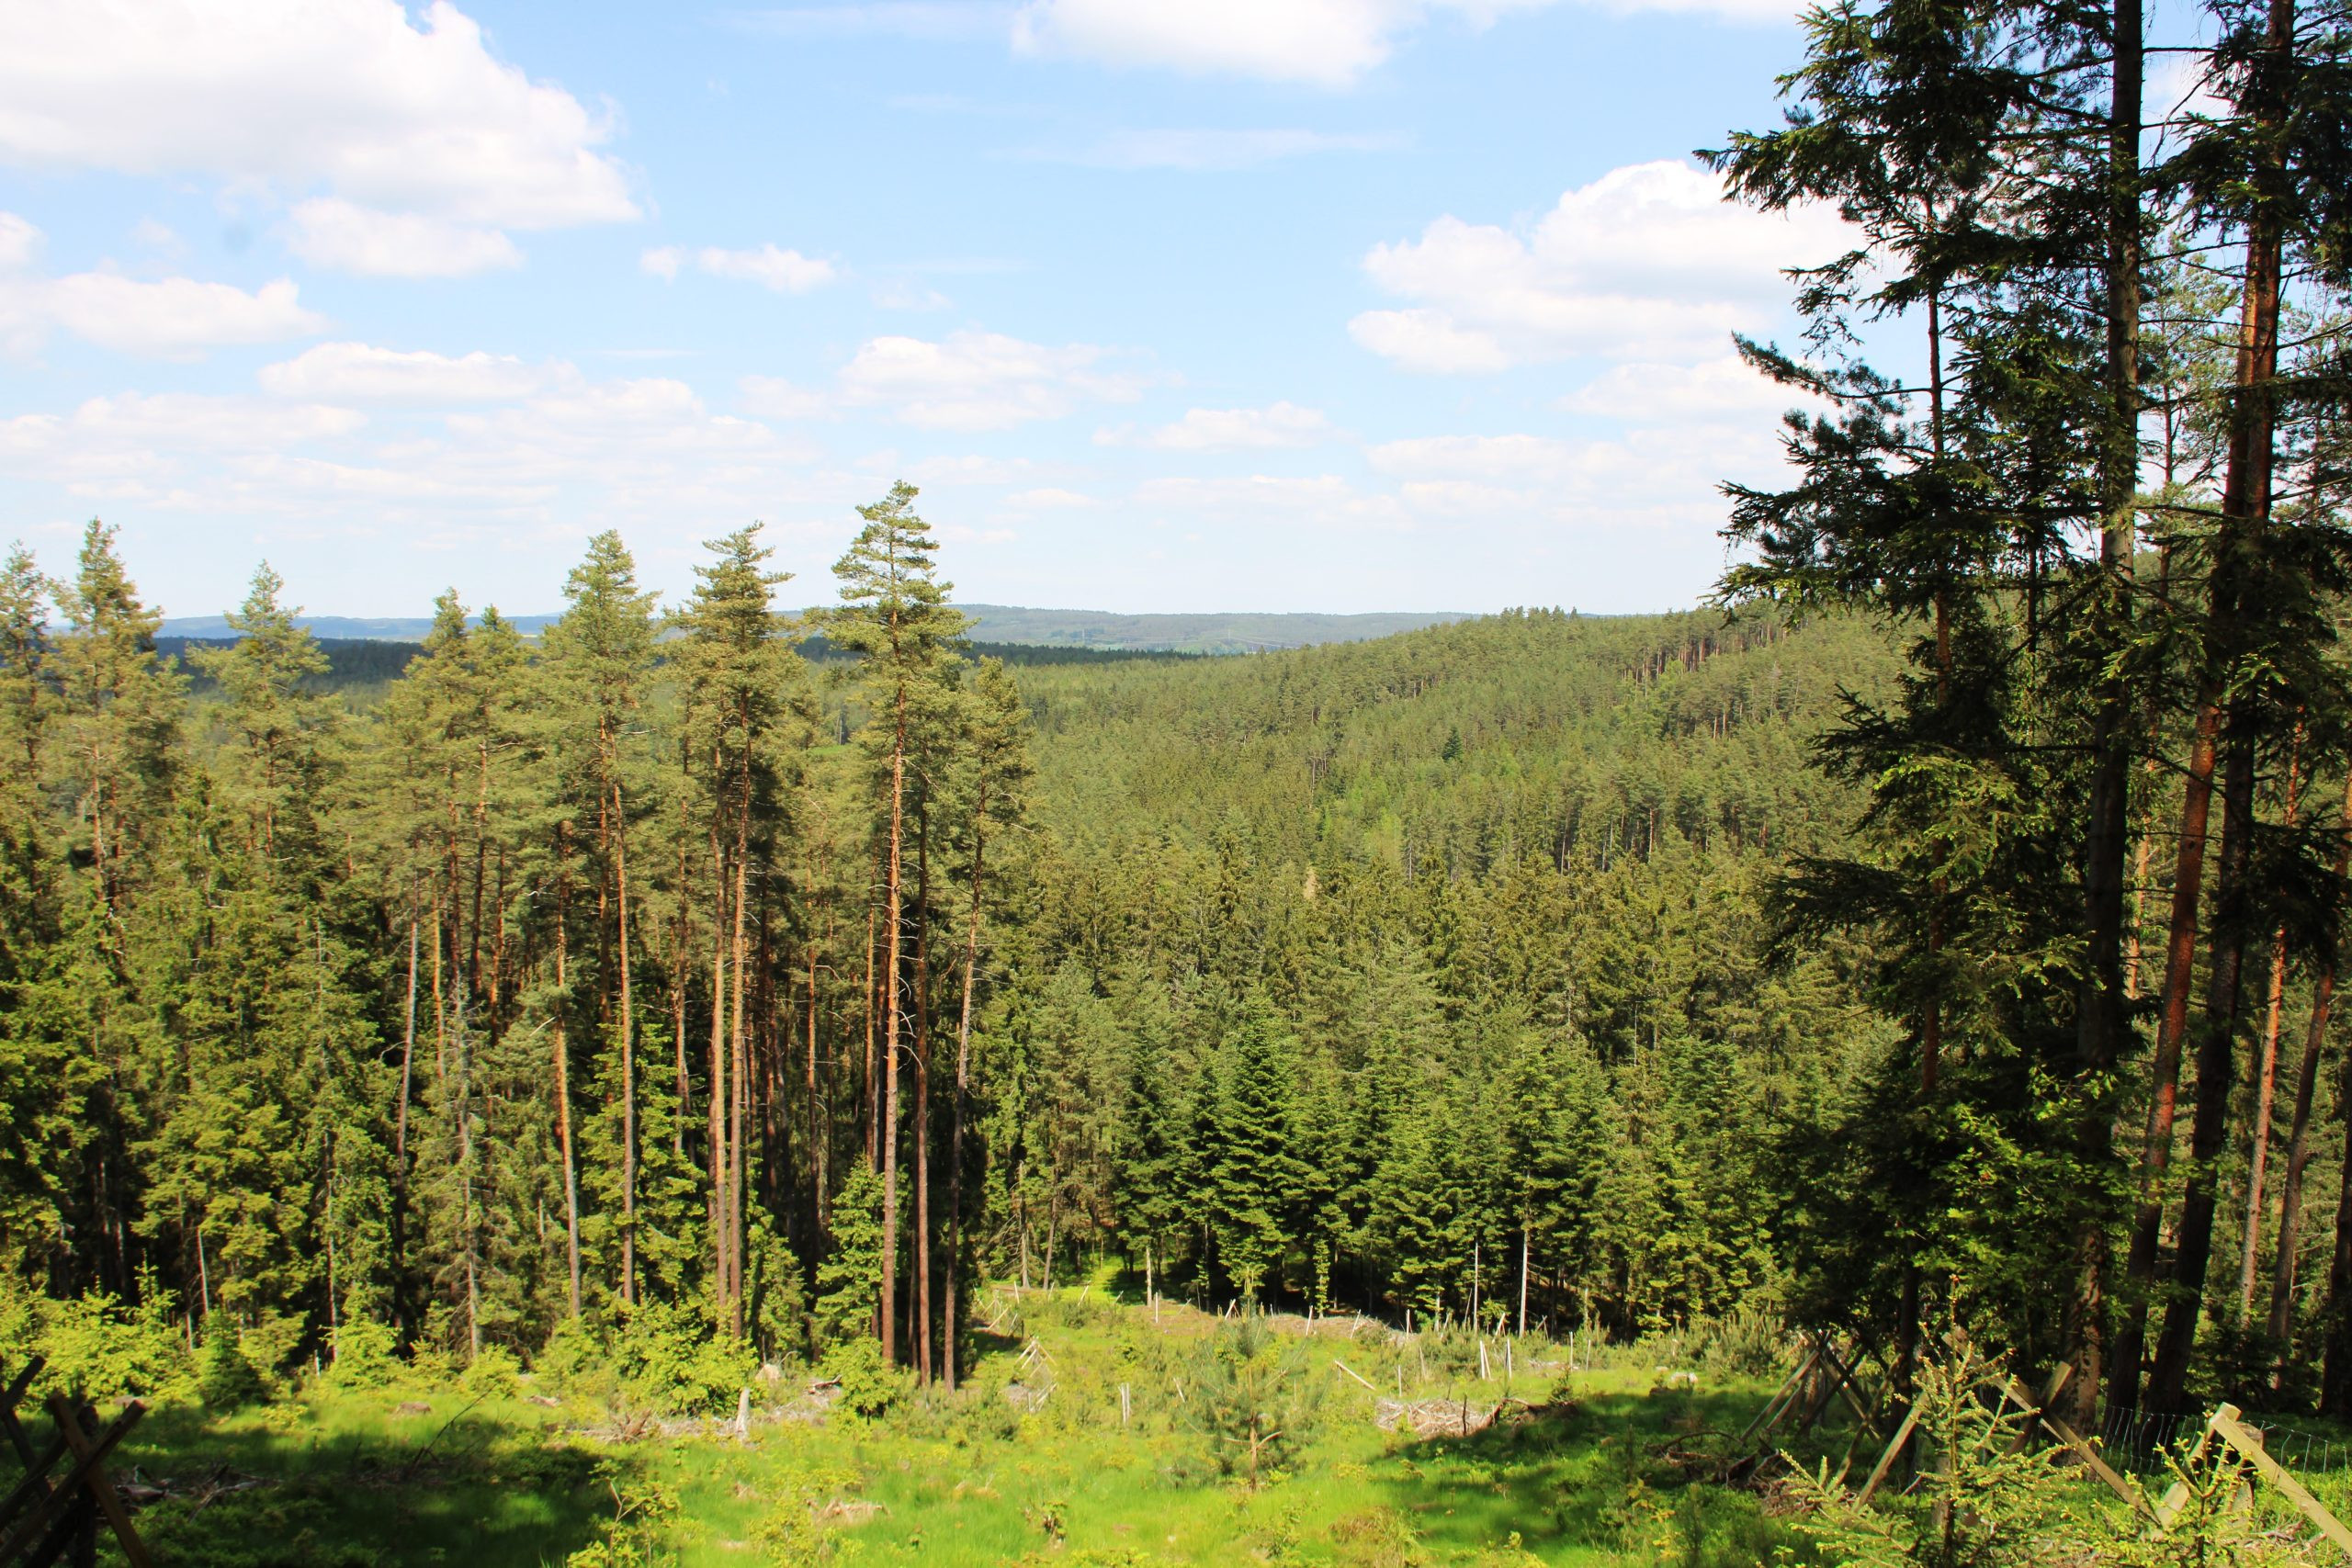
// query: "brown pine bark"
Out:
[2299,1149]
[889,1133]
[628,1045]
[961,1108]
[563,1065]
[2266,1074]
[2245,510]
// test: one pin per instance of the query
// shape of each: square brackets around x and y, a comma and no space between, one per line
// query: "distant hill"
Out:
[1233,632]
[338,628]
[1230,632]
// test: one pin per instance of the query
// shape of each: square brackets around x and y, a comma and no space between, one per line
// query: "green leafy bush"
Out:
[225,1380]
[97,1344]
[870,1384]
[367,1355]
[672,1355]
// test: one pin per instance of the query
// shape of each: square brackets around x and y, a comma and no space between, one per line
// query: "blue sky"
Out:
[1165,304]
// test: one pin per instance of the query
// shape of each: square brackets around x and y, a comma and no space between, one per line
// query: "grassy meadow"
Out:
[1030,1462]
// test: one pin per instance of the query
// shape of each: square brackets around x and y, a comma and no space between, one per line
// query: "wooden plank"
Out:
[101,1484]
[1849,1386]
[1887,1460]
[2098,1467]
[1772,1407]
[2225,1423]
[10,1398]
[34,1485]
[2050,1392]
[36,1524]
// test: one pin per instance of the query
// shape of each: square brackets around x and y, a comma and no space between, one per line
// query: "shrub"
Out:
[98,1345]
[870,1384]
[670,1353]
[495,1373]
[225,1380]
[367,1355]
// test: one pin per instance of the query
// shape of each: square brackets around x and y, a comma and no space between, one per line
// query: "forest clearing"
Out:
[1095,1429]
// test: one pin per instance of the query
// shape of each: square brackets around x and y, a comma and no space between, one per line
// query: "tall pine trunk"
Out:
[948,1306]
[2245,509]
[563,1066]
[2299,1149]
[2266,1074]
[889,1133]
[2102,1029]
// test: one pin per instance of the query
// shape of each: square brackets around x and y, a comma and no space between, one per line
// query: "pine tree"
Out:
[894,613]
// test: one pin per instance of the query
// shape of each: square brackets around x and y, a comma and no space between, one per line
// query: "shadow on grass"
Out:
[1614,1474]
[258,1492]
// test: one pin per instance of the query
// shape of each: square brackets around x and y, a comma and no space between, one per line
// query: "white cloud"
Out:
[358,372]
[1721,389]
[174,317]
[929,20]
[135,446]
[1229,430]
[331,232]
[772,397]
[19,242]
[973,471]
[1216,149]
[1049,498]
[1287,497]
[1487,457]
[786,272]
[1428,340]
[977,380]
[1327,44]
[303,97]
[1648,261]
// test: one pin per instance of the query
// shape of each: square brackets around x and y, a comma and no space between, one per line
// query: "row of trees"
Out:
[2108,507]
[554,983]
[557,982]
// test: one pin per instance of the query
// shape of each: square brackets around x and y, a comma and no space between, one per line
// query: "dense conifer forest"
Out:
[1933,940]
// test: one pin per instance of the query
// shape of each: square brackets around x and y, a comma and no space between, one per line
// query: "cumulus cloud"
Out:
[173,317]
[1048,498]
[1325,43]
[1229,430]
[978,380]
[772,397]
[331,232]
[785,272]
[342,98]
[1646,262]
[1484,458]
[1326,499]
[1724,388]
[358,372]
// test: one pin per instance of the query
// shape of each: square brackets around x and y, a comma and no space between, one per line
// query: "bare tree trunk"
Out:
[923,1098]
[718,1092]
[890,1135]
[2172,1030]
[957,1112]
[628,1049]
[2265,1073]
[732,1278]
[2246,512]
[2299,1150]
[563,1065]
[408,1052]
